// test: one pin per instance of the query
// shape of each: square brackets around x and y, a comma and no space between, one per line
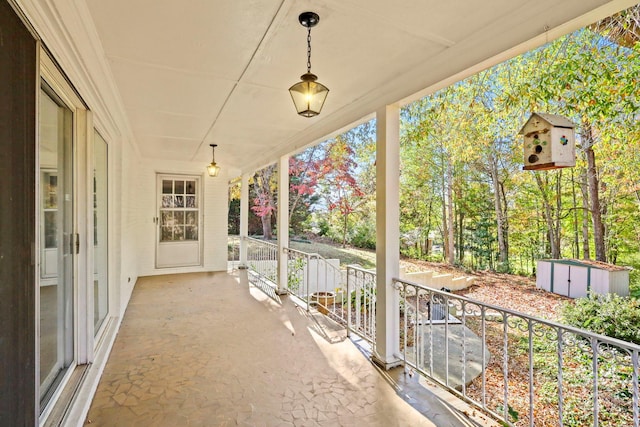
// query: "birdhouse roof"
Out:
[552,119]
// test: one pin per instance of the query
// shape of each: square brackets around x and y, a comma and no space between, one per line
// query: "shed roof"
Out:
[589,263]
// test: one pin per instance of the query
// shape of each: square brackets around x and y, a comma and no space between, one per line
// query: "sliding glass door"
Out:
[57,241]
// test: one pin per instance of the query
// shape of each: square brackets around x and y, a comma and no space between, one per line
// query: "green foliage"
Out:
[633,260]
[610,315]
[323,226]
[363,235]
[503,267]
[295,275]
[513,415]
[634,284]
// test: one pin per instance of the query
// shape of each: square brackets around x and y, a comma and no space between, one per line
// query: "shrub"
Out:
[323,227]
[634,283]
[503,267]
[364,236]
[610,315]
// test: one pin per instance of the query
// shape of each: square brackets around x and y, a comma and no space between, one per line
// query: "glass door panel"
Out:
[57,243]
[100,258]
[179,242]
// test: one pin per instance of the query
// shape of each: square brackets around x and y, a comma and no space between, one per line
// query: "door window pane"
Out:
[167,187]
[179,213]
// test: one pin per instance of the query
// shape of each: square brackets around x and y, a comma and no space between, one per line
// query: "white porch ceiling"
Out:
[191,73]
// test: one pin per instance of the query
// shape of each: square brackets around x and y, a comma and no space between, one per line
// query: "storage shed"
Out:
[575,278]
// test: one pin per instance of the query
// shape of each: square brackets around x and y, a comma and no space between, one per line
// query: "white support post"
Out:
[283,223]
[244,220]
[387,236]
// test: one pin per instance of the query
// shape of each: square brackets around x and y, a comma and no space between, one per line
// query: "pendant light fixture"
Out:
[308,95]
[213,169]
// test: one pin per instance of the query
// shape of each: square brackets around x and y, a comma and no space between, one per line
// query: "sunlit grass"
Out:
[347,256]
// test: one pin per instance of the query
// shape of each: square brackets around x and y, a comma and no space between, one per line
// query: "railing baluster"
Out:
[446,346]
[635,365]
[594,361]
[505,366]
[560,400]
[483,312]
[431,332]
[531,392]
[464,348]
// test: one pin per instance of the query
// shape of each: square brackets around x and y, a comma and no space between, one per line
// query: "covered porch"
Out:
[201,349]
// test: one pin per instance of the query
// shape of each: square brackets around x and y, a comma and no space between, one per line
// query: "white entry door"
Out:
[179,241]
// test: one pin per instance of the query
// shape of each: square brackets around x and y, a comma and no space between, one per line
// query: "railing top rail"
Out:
[552,324]
[286,249]
[261,242]
[359,268]
[311,255]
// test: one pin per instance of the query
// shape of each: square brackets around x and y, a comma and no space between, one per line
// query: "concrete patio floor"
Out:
[209,349]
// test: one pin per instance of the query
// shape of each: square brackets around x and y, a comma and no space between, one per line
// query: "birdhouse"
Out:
[549,142]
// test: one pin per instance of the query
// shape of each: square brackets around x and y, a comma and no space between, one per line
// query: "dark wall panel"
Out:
[17,220]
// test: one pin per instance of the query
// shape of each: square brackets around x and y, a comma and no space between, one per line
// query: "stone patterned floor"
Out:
[208,349]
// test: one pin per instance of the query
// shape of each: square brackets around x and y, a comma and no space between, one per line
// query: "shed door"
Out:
[570,280]
[179,241]
[579,276]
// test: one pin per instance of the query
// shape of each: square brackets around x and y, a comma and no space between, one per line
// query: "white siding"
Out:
[619,282]
[599,281]
[543,275]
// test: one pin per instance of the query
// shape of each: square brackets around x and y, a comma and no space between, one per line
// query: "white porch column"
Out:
[283,222]
[244,220]
[387,235]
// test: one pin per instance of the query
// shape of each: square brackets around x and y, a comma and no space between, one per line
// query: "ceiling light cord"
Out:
[309,50]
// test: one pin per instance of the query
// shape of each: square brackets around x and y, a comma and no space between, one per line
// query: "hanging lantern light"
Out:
[213,169]
[308,94]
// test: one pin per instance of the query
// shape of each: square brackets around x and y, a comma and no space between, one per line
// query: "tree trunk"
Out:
[445,220]
[460,235]
[547,213]
[451,250]
[265,197]
[576,233]
[503,257]
[594,193]
[558,219]
[344,230]
[586,250]
[505,220]
[267,229]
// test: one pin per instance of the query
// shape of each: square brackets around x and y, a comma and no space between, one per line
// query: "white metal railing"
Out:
[315,280]
[361,312]
[233,250]
[520,369]
[262,259]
